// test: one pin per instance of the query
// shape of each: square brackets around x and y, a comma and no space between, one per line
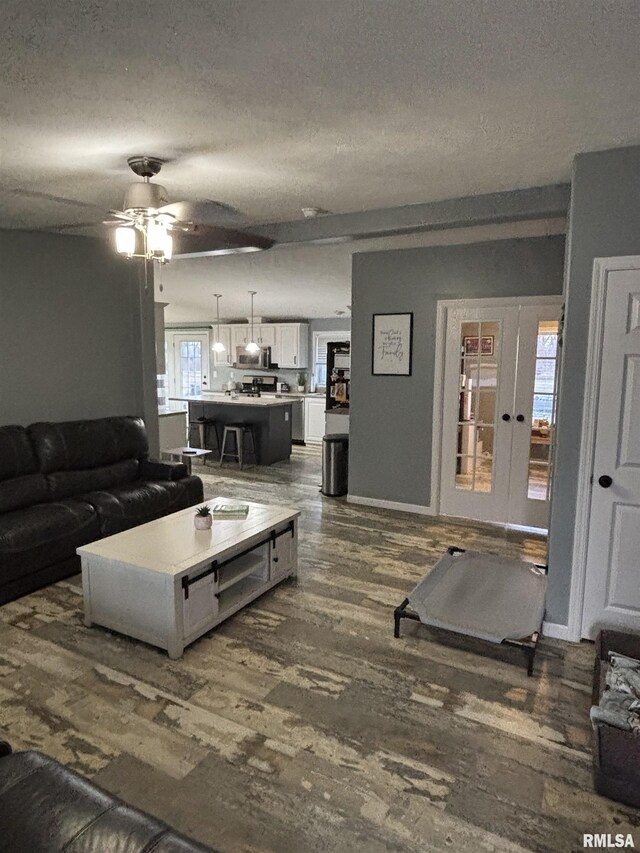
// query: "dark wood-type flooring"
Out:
[300,724]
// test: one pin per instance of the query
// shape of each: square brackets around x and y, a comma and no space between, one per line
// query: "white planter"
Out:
[301,389]
[203,522]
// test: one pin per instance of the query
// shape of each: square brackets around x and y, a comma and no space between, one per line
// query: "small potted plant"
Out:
[203,518]
[302,381]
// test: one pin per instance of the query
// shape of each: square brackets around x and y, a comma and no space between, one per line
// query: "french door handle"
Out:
[605,481]
[520,418]
[506,417]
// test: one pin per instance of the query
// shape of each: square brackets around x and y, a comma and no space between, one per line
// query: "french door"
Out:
[188,363]
[499,395]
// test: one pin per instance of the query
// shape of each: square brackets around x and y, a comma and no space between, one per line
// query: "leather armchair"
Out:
[47,808]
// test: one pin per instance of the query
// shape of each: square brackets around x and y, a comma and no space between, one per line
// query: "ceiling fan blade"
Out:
[207,239]
[50,197]
[203,211]
[120,216]
[68,226]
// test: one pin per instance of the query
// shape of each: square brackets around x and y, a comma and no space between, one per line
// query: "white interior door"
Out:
[500,379]
[189,363]
[612,590]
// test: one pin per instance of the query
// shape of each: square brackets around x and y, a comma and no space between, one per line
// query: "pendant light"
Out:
[218,346]
[252,346]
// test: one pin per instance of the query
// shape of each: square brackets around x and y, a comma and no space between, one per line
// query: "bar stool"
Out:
[205,427]
[239,432]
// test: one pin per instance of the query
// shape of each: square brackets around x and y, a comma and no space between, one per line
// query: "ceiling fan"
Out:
[146,225]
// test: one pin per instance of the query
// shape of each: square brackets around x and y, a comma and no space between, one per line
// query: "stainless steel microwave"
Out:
[262,358]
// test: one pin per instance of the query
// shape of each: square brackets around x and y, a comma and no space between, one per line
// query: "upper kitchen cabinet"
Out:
[239,338]
[266,336]
[220,359]
[292,345]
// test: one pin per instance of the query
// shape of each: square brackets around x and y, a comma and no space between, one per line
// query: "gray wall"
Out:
[70,330]
[604,221]
[391,417]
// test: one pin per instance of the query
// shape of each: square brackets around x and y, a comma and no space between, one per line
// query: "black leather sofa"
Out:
[63,485]
[46,808]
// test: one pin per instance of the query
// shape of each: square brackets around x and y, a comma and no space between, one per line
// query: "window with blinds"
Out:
[320,341]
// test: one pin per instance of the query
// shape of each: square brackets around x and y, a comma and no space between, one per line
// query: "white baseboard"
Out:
[417,509]
[555,631]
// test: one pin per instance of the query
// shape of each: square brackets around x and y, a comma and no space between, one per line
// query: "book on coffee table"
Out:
[229,510]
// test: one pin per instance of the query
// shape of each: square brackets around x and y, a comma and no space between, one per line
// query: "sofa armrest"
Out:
[152,470]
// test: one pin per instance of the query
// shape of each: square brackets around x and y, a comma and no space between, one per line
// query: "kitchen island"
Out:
[269,416]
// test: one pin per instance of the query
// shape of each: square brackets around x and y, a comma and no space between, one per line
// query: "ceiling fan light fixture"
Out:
[145,198]
[125,240]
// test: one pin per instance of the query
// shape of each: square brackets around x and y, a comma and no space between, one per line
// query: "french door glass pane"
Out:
[477,392]
[543,411]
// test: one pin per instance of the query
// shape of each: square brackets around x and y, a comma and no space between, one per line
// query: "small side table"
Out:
[187,454]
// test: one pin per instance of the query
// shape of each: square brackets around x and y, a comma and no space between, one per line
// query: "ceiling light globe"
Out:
[125,240]
[218,347]
[156,238]
[252,346]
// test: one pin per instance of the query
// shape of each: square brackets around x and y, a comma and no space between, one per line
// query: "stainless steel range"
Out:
[255,385]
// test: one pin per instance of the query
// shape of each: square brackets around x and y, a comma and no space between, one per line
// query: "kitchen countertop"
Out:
[163,411]
[226,400]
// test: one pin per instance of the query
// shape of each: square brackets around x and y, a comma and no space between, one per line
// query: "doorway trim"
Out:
[443,307]
[601,269]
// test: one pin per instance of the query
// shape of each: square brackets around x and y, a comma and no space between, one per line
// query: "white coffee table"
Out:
[167,583]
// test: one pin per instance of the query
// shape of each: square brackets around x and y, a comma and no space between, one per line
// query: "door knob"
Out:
[520,418]
[506,417]
[605,481]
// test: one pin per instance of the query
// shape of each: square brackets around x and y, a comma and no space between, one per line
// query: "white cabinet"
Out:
[226,357]
[239,338]
[266,336]
[314,419]
[292,345]
[172,430]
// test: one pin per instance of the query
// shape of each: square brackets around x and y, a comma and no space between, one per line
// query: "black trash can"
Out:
[335,465]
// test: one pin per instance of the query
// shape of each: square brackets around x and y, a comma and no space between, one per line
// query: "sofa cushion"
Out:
[76,445]
[136,503]
[45,808]
[23,491]
[65,484]
[44,534]
[16,453]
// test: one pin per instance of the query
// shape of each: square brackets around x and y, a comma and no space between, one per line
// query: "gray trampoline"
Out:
[493,599]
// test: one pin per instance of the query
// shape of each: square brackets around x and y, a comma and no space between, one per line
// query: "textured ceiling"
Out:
[271,105]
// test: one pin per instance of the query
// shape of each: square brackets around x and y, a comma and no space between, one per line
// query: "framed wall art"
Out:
[392,342]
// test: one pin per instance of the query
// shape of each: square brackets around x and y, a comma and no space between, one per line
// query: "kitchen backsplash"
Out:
[219,382]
